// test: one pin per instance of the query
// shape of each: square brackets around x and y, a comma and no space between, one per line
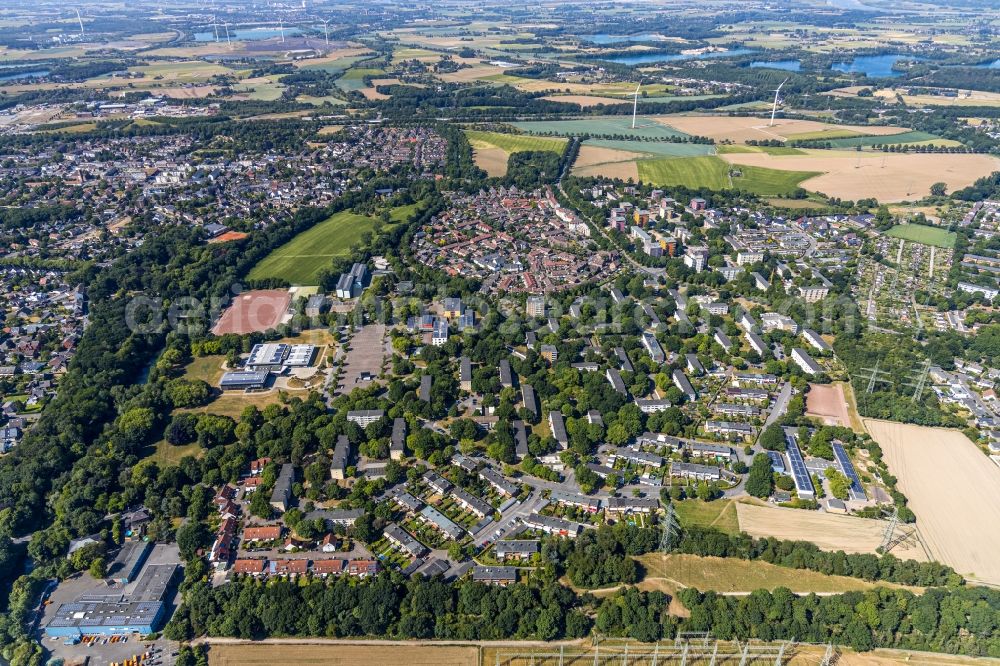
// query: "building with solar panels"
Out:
[800,474]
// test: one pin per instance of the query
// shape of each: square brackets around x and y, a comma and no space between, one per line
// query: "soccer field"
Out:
[923,234]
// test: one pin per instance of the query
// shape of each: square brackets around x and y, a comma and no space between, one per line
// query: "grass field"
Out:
[657,148]
[720,514]
[740,129]
[713,173]
[824,134]
[767,150]
[354,79]
[736,576]
[923,234]
[694,172]
[867,141]
[164,454]
[514,143]
[601,125]
[206,368]
[301,259]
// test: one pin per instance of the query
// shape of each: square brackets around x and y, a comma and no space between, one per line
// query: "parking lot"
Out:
[364,357]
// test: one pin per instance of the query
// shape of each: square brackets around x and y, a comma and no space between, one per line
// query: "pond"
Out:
[787,65]
[646,58]
[879,66]
[24,75]
[605,38]
[245,34]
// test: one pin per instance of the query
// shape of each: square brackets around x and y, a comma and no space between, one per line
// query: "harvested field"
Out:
[343,655]
[828,531]
[254,311]
[187,92]
[594,155]
[585,101]
[491,160]
[654,148]
[742,128]
[827,403]
[953,488]
[623,170]
[884,176]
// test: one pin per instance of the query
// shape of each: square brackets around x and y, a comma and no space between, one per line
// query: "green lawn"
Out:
[712,172]
[770,182]
[923,234]
[719,514]
[514,143]
[338,65]
[354,79]
[824,134]
[770,150]
[657,148]
[871,140]
[602,125]
[301,259]
[692,172]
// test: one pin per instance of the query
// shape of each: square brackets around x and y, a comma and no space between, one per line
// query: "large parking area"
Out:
[366,351]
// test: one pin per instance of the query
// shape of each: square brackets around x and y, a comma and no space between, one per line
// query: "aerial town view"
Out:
[477,333]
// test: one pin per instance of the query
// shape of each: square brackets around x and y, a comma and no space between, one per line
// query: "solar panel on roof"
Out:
[803,482]
[857,491]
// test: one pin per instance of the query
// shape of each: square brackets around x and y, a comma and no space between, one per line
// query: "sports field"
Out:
[254,312]
[301,259]
[923,234]
[602,126]
[953,488]
[827,403]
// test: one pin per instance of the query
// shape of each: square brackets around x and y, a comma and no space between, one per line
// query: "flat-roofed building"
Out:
[339,460]
[535,306]
[397,442]
[242,380]
[558,427]
[465,373]
[632,504]
[551,525]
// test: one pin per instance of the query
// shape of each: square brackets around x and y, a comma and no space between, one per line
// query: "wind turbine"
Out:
[281,28]
[215,27]
[635,102]
[326,22]
[80,20]
[774,109]
[228,41]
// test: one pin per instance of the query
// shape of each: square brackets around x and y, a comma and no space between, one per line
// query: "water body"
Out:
[990,65]
[245,34]
[879,66]
[604,38]
[25,75]
[787,65]
[648,58]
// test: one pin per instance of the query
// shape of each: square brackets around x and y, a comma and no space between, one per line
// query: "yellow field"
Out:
[828,531]
[343,655]
[742,128]
[594,155]
[953,488]
[623,170]
[888,177]
[586,101]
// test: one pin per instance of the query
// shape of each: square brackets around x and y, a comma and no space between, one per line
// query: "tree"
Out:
[773,438]
[939,189]
[760,480]
[191,536]
[98,568]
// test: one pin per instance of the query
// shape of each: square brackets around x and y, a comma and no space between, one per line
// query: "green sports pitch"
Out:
[924,234]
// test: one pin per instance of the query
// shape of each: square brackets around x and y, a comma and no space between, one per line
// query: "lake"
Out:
[787,65]
[647,58]
[245,34]
[618,39]
[879,66]
[25,75]
[990,65]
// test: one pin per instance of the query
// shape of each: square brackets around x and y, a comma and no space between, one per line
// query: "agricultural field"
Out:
[888,177]
[923,234]
[615,126]
[952,488]
[730,149]
[264,88]
[694,172]
[668,573]
[354,78]
[345,654]
[302,259]
[492,150]
[653,148]
[902,138]
[827,530]
[740,129]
